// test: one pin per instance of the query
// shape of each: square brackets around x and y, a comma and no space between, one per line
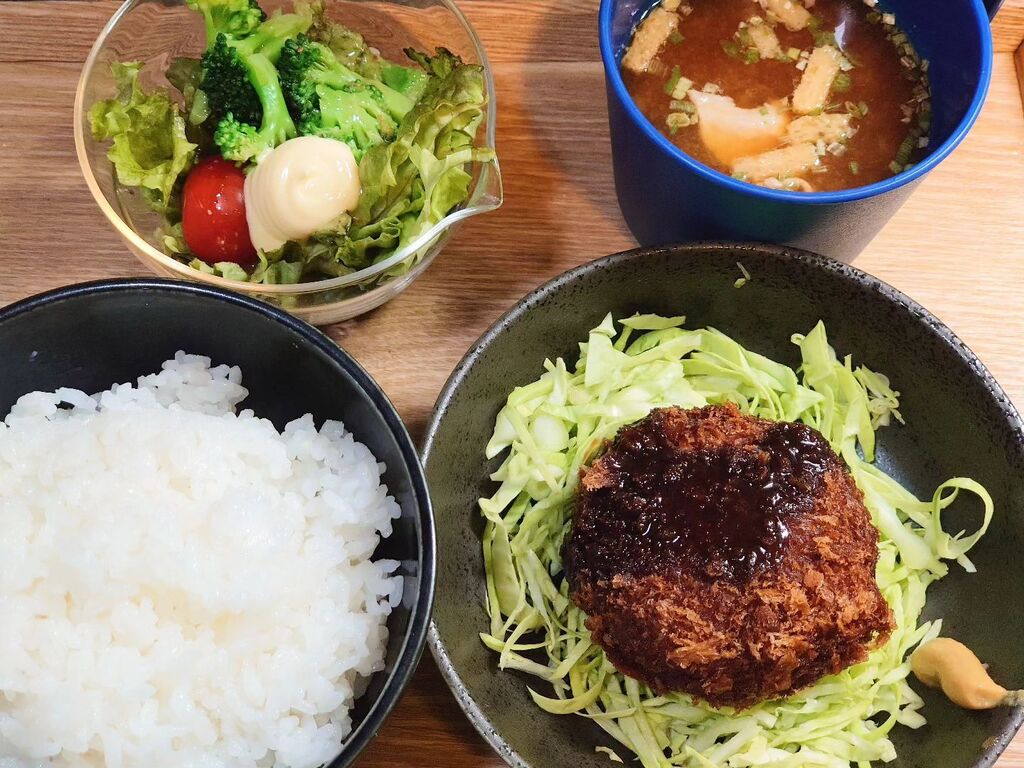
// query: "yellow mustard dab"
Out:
[952,666]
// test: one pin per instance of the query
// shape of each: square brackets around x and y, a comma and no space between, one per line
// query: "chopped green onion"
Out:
[854,167]
[677,120]
[675,38]
[842,82]
[673,80]
[731,48]
[907,147]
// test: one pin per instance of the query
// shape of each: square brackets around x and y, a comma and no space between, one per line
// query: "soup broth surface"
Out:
[884,90]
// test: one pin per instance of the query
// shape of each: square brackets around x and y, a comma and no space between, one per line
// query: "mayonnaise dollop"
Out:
[299,188]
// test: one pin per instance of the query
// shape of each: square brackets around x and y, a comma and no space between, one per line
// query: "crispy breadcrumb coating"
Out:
[704,620]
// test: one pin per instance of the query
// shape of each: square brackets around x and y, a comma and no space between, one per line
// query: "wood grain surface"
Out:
[956,246]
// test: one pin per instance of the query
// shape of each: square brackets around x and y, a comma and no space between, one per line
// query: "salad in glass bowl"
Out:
[280,151]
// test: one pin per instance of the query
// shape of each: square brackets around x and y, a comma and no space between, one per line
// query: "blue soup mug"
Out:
[666,196]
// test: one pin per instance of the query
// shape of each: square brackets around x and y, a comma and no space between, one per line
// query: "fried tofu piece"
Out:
[789,12]
[778,163]
[764,38]
[730,132]
[812,92]
[829,128]
[681,622]
[650,36]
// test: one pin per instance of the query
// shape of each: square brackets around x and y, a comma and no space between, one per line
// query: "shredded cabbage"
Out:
[551,428]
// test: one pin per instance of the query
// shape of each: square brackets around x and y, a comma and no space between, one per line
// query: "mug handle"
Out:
[992,6]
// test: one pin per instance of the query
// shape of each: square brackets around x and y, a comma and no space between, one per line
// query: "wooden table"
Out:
[957,246]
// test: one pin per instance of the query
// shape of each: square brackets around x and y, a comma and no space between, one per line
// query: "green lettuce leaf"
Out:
[173,238]
[283,267]
[412,183]
[149,149]
[186,76]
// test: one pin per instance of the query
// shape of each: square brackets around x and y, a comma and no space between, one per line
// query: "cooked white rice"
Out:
[183,586]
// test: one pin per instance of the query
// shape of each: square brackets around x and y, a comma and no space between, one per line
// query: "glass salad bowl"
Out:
[156,31]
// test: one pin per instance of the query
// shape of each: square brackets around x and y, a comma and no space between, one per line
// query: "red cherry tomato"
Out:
[213,213]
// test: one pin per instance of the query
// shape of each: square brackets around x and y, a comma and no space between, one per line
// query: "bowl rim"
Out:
[489,179]
[845,272]
[416,634]
[617,88]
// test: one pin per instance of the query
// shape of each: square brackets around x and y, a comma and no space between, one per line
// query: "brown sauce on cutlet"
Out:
[718,513]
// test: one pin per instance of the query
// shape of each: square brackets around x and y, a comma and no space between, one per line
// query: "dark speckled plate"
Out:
[959,422]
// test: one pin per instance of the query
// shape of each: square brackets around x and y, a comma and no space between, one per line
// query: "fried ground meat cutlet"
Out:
[725,556]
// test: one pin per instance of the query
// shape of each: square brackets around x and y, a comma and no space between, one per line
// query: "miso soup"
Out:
[811,95]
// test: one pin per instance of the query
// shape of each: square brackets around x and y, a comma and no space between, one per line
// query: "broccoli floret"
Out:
[237,18]
[351,50]
[239,139]
[239,81]
[227,85]
[242,89]
[228,79]
[356,115]
[329,99]
[245,20]
[298,58]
